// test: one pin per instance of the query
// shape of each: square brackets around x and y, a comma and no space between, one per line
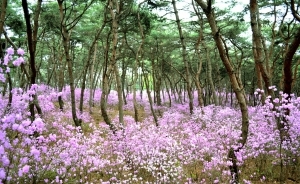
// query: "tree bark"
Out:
[287,64]
[197,50]
[61,81]
[258,49]
[107,69]
[210,80]
[114,11]
[239,90]
[66,43]
[32,42]
[184,57]
[135,69]
[2,15]
[150,98]
[88,65]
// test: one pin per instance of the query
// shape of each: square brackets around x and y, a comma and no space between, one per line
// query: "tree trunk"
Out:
[103,102]
[66,44]
[287,64]
[105,86]
[184,57]
[260,83]
[114,10]
[258,49]
[197,50]
[123,80]
[61,82]
[32,42]
[135,69]
[2,16]
[209,78]
[150,98]
[239,90]
[92,80]
[2,19]
[88,64]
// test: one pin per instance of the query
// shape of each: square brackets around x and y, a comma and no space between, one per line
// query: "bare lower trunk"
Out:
[66,44]
[258,46]
[210,80]
[103,102]
[287,64]
[114,10]
[184,57]
[92,81]
[238,89]
[150,98]
[32,41]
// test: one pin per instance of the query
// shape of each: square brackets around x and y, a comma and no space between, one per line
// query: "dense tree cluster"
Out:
[145,56]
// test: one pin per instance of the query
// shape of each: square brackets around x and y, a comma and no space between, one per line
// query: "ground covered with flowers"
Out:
[183,148]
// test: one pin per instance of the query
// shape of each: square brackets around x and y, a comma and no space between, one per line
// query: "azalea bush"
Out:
[183,148]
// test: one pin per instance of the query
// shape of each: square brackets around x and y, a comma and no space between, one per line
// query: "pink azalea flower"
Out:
[10,51]
[25,169]
[20,51]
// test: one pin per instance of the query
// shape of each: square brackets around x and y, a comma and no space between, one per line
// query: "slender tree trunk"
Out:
[32,42]
[105,86]
[239,90]
[2,19]
[169,94]
[197,75]
[153,78]
[295,73]
[2,16]
[258,50]
[150,98]
[260,83]
[103,101]
[114,11]
[66,44]
[209,77]
[123,80]
[172,90]
[184,57]
[157,75]
[88,64]
[135,69]
[287,64]
[61,82]
[92,80]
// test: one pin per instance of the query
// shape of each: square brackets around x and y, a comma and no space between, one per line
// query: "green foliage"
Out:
[49,18]
[15,21]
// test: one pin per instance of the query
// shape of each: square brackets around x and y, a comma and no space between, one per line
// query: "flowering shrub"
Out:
[184,148]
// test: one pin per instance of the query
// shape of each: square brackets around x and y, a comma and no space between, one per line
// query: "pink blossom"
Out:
[2,77]
[25,169]
[5,161]
[10,51]
[2,174]
[20,51]
[18,61]
[34,152]
[7,58]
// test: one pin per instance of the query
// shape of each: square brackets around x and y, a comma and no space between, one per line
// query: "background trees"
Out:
[175,51]
[276,27]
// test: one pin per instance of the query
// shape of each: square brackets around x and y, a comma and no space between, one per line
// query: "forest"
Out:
[149,91]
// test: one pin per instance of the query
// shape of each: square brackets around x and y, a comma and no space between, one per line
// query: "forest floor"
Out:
[183,149]
[195,169]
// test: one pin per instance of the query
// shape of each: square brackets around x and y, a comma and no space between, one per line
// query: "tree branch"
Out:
[294,12]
